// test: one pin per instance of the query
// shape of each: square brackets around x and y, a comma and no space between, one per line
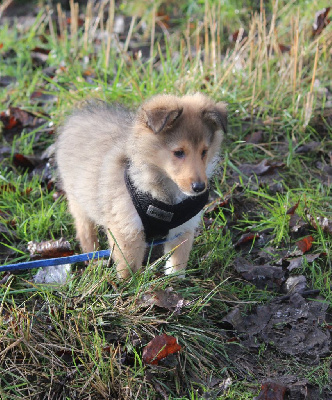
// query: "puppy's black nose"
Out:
[198,186]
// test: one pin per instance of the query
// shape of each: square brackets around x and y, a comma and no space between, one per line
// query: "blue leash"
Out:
[65,260]
[55,261]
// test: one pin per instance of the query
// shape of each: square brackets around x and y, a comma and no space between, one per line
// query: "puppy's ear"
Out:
[216,117]
[160,119]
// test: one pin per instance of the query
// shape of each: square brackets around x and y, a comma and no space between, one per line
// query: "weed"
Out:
[85,339]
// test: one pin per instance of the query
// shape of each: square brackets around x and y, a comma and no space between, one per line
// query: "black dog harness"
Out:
[158,217]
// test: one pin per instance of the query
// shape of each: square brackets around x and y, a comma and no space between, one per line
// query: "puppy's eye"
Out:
[178,153]
[204,153]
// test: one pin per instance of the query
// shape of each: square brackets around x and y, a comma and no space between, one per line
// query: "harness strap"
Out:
[159,217]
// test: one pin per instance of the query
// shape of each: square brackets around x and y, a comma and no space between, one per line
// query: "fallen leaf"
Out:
[324,172]
[50,248]
[163,19]
[297,262]
[215,204]
[321,21]
[79,21]
[9,121]
[239,34]
[255,137]
[17,116]
[295,284]
[24,162]
[10,53]
[160,390]
[6,80]
[272,391]
[67,355]
[247,237]
[322,222]
[292,210]
[305,244]
[40,50]
[164,298]
[27,118]
[9,187]
[58,194]
[43,97]
[296,223]
[232,319]
[5,278]
[39,56]
[306,148]
[160,347]
[262,276]
[262,168]
[284,48]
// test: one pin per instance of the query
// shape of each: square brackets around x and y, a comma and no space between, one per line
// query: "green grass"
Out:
[85,339]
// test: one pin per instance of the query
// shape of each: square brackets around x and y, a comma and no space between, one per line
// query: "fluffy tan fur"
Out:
[171,144]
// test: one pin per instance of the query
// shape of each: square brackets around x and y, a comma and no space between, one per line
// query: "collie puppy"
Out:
[141,175]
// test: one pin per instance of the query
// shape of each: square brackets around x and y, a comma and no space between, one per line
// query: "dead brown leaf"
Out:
[9,187]
[247,237]
[272,391]
[322,222]
[292,210]
[50,248]
[321,21]
[39,56]
[216,204]
[25,162]
[24,117]
[42,97]
[262,168]
[284,48]
[58,194]
[18,118]
[9,121]
[297,223]
[255,137]
[159,348]
[305,244]
[164,298]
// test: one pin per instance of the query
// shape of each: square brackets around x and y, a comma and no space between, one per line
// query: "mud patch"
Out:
[279,337]
[293,328]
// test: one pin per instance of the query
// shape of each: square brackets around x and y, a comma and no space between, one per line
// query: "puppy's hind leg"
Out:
[86,231]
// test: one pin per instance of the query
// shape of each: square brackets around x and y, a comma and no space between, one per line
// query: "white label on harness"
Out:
[157,213]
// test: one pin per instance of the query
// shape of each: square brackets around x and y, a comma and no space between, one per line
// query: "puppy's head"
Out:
[181,136]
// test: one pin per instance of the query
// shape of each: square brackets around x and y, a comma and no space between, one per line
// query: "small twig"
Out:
[110,25]
[153,31]
[4,6]
[87,23]
[5,278]
[305,293]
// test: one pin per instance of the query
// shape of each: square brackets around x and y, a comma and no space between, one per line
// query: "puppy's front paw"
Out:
[171,269]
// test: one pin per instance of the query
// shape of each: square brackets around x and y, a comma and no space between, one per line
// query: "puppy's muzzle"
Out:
[198,187]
